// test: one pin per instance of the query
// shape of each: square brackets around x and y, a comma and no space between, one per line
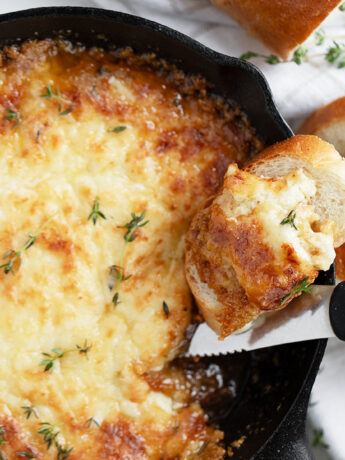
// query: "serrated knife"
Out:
[320,314]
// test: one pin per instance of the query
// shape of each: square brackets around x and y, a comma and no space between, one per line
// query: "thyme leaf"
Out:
[320,37]
[2,436]
[166,309]
[304,286]
[290,219]
[13,255]
[90,421]
[12,115]
[342,7]
[334,52]
[25,455]
[117,129]
[299,55]
[29,410]
[96,213]
[85,348]
[58,97]
[318,439]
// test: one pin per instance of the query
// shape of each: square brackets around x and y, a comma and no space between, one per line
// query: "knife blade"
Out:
[307,317]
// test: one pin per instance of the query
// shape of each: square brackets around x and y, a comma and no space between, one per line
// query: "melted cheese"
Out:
[54,167]
[271,202]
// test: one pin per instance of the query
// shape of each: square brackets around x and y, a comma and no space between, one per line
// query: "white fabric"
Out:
[298,90]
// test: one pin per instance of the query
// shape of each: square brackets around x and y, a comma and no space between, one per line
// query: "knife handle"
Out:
[337,311]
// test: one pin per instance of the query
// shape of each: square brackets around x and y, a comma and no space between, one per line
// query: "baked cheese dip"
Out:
[104,157]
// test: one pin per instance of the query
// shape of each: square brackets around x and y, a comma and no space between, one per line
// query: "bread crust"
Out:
[281,25]
[324,116]
[311,149]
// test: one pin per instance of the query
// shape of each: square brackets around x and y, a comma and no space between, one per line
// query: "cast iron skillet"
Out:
[270,387]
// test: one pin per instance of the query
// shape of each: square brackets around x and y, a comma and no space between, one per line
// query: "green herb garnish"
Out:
[29,410]
[133,226]
[90,421]
[13,255]
[49,433]
[290,219]
[117,129]
[95,213]
[318,439]
[118,271]
[57,96]
[342,7]
[25,455]
[299,55]
[57,353]
[304,286]
[320,37]
[166,309]
[62,451]
[12,115]
[84,350]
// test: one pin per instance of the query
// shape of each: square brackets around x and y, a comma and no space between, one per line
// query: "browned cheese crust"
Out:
[281,25]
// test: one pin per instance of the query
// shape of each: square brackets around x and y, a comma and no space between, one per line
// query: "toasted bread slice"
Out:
[261,238]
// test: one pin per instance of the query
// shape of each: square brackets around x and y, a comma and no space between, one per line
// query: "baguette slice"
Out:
[328,122]
[281,25]
[322,162]
[240,262]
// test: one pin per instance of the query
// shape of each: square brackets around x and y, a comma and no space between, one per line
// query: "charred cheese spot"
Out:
[168,161]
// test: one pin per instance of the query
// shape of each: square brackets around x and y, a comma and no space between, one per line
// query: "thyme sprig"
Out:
[319,440]
[334,54]
[118,271]
[133,225]
[63,451]
[11,115]
[29,410]
[13,255]
[96,213]
[49,433]
[57,96]
[25,455]
[290,219]
[50,358]
[304,286]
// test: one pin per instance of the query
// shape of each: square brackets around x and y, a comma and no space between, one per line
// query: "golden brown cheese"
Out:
[247,250]
[135,135]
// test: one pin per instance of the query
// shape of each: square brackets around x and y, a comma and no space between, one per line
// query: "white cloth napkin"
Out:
[298,90]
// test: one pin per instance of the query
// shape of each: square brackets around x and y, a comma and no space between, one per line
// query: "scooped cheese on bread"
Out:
[282,206]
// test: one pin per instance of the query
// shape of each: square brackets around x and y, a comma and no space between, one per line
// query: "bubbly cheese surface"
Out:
[131,139]
[272,202]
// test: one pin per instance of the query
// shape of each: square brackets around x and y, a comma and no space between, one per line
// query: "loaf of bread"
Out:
[281,25]
[267,232]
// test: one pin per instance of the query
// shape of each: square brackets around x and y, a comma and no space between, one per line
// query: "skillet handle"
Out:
[337,311]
